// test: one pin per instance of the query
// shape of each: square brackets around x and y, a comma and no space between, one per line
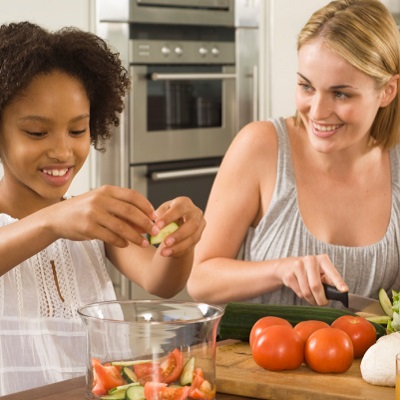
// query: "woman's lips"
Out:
[324,131]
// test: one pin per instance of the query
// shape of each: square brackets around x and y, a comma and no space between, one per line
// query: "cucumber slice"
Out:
[129,375]
[164,232]
[186,377]
[129,363]
[385,302]
[117,395]
[135,393]
[379,319]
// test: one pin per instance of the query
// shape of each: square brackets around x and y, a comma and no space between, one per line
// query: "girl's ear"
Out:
[390,91]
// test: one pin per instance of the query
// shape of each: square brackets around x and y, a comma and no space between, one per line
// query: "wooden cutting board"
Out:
[238,374]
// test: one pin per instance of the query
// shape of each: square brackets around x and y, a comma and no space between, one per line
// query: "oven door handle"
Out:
[183,173]
[156,76]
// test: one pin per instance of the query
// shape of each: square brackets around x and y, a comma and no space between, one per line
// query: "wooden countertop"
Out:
[238,374]
[239,378]
[74,389]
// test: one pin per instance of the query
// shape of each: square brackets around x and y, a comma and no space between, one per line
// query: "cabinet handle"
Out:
[183,173]
[255,93]
[155,76]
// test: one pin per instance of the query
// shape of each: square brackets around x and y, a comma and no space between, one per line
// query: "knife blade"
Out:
[354,302]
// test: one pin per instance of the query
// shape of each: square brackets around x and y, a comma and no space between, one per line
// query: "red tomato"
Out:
[160,391]
[167,370]
[306,328]
[362,333]
[107,377]
[278,348]
[148,372]
[329,350]
[171,367]
[265,322]
[200,387]
[98,388]
[152,389]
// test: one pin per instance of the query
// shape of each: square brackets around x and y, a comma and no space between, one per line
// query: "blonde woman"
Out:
[314,198]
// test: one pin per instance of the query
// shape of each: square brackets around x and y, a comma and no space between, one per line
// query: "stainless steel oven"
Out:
[182,112]
[182,105]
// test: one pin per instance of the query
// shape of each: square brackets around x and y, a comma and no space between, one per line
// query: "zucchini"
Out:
[186,377]
[129,363]
[135,393]
[118,395]
[239,318]
[122,388]
[164,232]
[129,375]
[385,302]
[379,319]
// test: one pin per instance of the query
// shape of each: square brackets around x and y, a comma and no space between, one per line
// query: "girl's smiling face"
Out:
[44,140]
[336,102]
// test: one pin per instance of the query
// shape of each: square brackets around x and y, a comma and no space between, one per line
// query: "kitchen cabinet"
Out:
[280,23]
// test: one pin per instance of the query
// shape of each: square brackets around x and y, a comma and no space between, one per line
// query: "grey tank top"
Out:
[282,233]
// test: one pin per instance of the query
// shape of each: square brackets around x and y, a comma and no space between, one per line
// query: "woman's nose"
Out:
[320,106]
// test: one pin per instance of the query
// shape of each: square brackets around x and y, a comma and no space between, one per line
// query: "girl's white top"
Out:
[42,337]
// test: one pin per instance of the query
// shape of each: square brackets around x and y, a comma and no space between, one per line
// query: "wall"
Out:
[54,14]
[280,24]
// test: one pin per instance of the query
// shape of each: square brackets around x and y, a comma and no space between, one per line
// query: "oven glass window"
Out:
[184,104]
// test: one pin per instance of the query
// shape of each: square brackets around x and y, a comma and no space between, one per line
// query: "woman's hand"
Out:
[304,275]
[191,225]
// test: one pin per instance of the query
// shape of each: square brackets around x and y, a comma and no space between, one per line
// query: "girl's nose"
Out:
[60,148]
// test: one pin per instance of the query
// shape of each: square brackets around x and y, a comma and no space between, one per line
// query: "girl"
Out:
[59,93]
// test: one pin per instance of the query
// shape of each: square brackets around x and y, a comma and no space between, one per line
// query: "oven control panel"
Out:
[185,52]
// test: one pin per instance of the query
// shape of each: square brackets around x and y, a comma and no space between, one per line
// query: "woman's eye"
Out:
[305,87]
[341,95]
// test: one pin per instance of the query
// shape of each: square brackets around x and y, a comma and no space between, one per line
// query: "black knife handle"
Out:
[332,293]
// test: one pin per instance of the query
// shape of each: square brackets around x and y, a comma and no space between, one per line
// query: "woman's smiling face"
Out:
[45,137]
[336,102]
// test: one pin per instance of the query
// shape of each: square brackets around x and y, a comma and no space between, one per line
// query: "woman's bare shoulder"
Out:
[256,134]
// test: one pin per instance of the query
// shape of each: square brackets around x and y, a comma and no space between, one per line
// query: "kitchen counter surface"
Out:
[239,378]
[74,389]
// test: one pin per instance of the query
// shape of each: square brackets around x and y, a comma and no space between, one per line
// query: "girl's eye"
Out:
[78,132]
[37,135]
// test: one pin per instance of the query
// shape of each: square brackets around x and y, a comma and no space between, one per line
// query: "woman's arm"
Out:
[235,204]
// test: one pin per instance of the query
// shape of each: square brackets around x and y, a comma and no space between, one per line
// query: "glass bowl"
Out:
[141,349]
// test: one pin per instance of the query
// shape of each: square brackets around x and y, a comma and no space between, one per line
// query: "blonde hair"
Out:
[365,34]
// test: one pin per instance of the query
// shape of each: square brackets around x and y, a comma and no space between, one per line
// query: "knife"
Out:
[353,302]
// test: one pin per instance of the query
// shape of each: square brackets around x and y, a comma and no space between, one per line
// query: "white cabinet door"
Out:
[280,23]
[51,14]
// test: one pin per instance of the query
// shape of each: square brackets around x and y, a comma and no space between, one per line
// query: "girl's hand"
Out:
[191,225]
[112,214]
[304,275]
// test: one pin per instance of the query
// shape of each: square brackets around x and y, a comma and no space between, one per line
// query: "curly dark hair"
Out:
[27,50]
